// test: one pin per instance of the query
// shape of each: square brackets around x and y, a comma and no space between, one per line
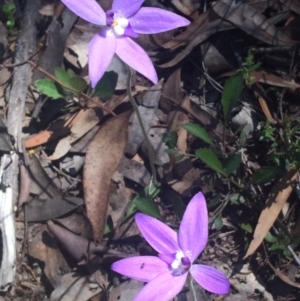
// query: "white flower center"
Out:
[119,25]
[177,261]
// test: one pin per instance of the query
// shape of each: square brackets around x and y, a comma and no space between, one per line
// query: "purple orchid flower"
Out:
[167,273]
[126,19]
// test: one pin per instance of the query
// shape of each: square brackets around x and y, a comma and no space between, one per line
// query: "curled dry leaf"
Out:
[251,21]
[102,160]
[41,183]
[81,249]
[202,28]
[276,199]
[44,247]
[274,80]
[83,122]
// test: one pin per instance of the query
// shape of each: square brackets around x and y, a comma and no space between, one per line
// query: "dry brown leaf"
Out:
[102,160]
[172,89]
[276,199]
[58,129]
[187,7]
[81,249]
[266,110]
[203,27]
[251,21]
[41,183]
[283,277]
[47,10]
[191,30]
[74,287]
[84,121]
[293,5]
[266,77]
[44,247]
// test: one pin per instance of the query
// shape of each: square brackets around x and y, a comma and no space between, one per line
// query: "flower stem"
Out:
[193,289]
[136,109]
[200,296]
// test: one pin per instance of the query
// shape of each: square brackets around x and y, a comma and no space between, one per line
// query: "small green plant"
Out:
[249,66]
[285,143]
[72,85]
[10,10]
[284,152]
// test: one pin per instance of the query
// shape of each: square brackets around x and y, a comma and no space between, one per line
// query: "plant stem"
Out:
[136,109]
[193,289]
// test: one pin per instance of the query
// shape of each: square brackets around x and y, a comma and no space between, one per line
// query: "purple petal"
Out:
[193,231]
[164,287]
[142,268]
[155,20]
[129,32]
[101,50]
[161,237]
[168,258]
[127,7]
[211,279]
[88,10]
[135,57]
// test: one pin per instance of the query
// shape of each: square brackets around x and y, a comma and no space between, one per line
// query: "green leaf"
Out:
[270,238]
[147,206]
[231,163]
[170,139]
[213,202]
[218,222]
[150,192]
[106,86]
[254,67]
[170,151]
[247,227]
[179,157]
[78,83]
[198,131]
[211,160]
[62,75]
[49,88]
[147,195]
[237,199]
[71,73]
[266,174]
[9,9]
[276,247]
[232,90]
[130,211]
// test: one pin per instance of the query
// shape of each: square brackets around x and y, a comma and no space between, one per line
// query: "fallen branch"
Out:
[16,107]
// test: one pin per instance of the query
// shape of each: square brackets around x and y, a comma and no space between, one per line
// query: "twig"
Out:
[3,66]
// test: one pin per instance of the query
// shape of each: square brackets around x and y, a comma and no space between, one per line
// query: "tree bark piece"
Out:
[16,107]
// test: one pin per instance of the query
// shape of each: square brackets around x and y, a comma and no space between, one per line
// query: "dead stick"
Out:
[16,109]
